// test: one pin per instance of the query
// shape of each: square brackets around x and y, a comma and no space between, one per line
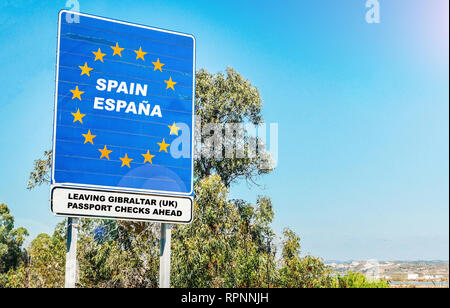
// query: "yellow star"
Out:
[117,50]
[163,146]
[85,69]
[170,83]
[76,93]
[140,54]
[78,116]
[105,152]
[88,137]
[158,65]
[173,129]
[126,161]
[148,157]
[99,55]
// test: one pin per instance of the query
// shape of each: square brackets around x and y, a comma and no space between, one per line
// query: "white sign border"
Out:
[114,188]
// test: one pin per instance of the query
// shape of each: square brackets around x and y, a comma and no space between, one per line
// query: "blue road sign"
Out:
[124,107]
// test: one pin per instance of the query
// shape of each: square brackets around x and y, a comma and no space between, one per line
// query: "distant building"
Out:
[372,269]
[413,276]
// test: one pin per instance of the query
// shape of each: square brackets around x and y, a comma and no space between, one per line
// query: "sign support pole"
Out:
[164,256]
[71,253]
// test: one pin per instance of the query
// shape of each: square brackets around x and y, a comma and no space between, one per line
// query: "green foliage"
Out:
[41,172]
[297,272]
[123,255]
[229,99]
[226,99]
[358,280]
[44,267]
[11,241]
[227,245]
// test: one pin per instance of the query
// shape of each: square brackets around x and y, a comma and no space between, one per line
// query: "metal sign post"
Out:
[71,254]
[164,256]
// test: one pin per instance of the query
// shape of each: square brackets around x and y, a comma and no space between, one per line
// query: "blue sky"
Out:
[362,109]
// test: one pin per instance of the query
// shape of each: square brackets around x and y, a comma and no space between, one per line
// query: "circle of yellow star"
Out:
[85,69]
[148,157]
[99,55]
[78,116]
[163,146]
[173,129]
[76,93]
[158,65]
[105,152]
[117,50]
[170,83]
[88,137]
[126,161]
[140,54]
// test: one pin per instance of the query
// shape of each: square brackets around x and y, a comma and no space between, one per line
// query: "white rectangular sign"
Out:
[66,201]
